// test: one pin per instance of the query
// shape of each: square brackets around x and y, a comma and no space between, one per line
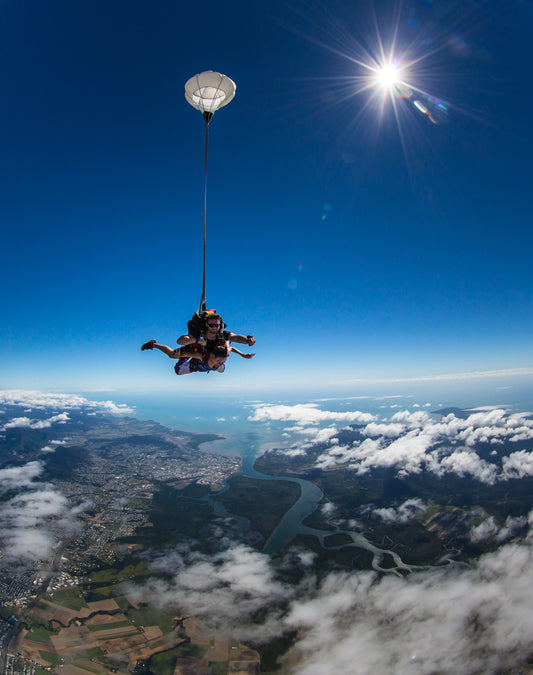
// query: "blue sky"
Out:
[353,242]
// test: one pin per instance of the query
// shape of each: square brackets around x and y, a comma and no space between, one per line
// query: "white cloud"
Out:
[306,419]
[42,400]
[467,463]
[294,451]
[411,442]
[24,518]
[511,528]
[19,476]
[315,434]
[311,436]
[518,464]
[227,589]
[306,413]
[408,441]
[17,422]
[485,530]
[26,543]
[451,621]
[62,418]
[21,422]
[28,509]
[328,509]
[52,446]
[410,509]
[390,430]
[306,558]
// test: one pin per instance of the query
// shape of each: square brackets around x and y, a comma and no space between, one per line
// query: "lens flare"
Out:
[395,63]
[393,84]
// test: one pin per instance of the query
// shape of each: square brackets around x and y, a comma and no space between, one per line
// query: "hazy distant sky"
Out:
[352,242]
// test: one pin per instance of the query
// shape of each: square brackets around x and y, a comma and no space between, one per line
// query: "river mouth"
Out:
[292,524]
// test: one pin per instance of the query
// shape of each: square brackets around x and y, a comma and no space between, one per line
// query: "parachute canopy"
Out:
[209,91]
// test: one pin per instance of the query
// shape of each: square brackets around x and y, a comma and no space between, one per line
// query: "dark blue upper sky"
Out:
[355,239]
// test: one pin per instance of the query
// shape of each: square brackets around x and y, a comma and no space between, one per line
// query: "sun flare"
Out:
[388,75]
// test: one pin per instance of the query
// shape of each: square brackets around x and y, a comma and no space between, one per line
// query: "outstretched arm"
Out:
[242,339]
[244,356]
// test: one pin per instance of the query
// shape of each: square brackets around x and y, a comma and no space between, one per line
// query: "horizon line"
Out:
[510,372]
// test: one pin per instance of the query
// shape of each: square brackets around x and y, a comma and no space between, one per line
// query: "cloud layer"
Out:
[412,442]
[458,619]
[42,400]
[29,514]
[34,515]
[306,413]
[21,422]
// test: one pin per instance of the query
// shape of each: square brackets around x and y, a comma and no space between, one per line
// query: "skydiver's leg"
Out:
[152,344]
[148,345]
[171,353]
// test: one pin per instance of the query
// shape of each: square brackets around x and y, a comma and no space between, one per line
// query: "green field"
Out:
[93,653]
[68,597]
[164,663]
[262,502]
[52,658]
[39,634]
[113,575]
[149,616]
[174,517]
[220,668]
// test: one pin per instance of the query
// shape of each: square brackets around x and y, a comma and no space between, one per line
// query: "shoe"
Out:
[148,345]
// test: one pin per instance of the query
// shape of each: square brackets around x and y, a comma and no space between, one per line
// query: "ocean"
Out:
[229,414]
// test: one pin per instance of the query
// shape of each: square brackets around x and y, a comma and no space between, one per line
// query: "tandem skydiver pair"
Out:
[206,346]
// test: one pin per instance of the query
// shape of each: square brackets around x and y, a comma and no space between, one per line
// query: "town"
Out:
[109,475]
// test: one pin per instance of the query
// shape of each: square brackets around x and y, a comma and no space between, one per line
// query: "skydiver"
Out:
[194,359]
[208,328]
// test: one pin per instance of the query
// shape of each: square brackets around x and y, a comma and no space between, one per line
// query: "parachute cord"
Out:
[207,117]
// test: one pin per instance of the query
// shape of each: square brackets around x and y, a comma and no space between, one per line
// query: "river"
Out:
[292,524]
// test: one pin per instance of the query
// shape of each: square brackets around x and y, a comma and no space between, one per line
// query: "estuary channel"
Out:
[292,523]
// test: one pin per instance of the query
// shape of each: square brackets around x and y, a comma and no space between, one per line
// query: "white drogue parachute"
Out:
[209,91]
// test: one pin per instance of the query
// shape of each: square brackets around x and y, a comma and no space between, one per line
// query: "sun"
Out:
[392,66]
[387,76]
[396,68]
